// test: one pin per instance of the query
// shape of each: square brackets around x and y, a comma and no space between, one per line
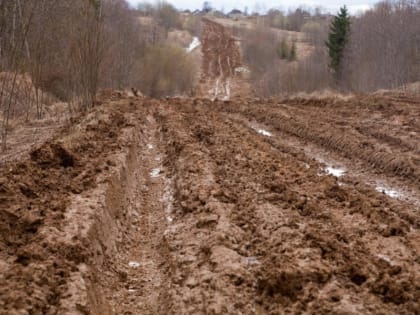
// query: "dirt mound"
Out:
[36,264]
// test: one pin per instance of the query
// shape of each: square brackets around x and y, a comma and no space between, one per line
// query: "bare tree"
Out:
[384,47]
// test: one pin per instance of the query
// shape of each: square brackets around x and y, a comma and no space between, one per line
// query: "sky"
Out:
[331,6]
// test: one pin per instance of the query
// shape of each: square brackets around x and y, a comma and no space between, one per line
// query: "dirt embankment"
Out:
[182,206]
[60,213]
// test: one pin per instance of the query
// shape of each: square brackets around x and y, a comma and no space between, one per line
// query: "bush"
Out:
[167,71]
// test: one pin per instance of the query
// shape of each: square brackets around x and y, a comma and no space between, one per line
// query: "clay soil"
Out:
[187,206]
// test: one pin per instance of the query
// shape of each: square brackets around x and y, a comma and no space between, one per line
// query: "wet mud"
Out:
[187,206]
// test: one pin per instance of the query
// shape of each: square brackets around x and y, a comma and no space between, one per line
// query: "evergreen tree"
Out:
[293,52]
[337,39]
[282,49]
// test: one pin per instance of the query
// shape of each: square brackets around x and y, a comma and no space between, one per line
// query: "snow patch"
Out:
[335,171]
[155,172]
[193,45]
[150,146]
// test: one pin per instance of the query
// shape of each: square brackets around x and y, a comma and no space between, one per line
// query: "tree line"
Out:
[70,49]
[378,49]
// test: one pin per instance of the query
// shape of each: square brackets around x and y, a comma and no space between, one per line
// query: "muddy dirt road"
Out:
[188,206]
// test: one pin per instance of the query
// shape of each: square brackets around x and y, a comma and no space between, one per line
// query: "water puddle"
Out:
[134,264]
[335,171]
[259,128]
[250,261]
[385,258]
[264,132]
[242,70]
[393,193]
[168,199]
[155,172]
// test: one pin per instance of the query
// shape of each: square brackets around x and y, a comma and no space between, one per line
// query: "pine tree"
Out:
[282,49]
[337,39]
[293,52]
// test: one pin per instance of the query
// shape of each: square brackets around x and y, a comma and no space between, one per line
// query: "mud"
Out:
[187,206]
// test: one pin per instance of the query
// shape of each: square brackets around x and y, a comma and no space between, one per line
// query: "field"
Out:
[188,206]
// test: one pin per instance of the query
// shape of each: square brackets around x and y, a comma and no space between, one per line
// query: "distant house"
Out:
[236,14]
[216,13]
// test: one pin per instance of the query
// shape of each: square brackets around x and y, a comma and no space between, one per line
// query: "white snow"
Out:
[194,44]
[134,264]
[155,172]
[335,171]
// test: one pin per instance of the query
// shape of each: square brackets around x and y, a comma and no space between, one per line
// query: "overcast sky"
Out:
[262,5]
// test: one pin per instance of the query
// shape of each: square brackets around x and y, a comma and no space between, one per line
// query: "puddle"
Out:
[389,191]
[155,172]
[227,89]
[251,260]
[264,132]
[242,70]
[261,131]
[386,258]
[167,199]
[134,264]
[335,171]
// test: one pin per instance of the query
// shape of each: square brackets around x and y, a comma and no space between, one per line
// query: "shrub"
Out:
[167,71]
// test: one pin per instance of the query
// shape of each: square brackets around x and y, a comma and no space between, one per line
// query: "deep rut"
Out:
[142,262]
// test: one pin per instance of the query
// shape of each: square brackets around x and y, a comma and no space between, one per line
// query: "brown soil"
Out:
[182,207]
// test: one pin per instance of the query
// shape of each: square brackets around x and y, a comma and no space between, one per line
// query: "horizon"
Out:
[330,6]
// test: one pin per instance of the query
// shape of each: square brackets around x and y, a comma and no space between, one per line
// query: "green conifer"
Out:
[337,39]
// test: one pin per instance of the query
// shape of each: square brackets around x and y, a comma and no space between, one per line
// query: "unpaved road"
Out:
[188,206]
